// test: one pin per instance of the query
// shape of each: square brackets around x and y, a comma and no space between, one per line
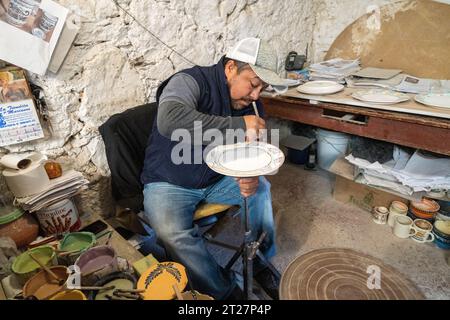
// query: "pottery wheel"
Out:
[343,274]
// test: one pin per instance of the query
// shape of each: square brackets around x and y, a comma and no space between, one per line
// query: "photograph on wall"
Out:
[29,32]
[26,15]
[19,121]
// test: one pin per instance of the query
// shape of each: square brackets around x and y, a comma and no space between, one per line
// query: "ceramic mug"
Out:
[47,24]
[423,230]
[396,209]
[379,215]
[403,227]
[19,11]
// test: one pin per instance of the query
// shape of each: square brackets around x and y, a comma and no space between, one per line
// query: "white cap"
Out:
[261,58]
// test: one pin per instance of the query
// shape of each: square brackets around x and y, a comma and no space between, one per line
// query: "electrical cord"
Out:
[153,34]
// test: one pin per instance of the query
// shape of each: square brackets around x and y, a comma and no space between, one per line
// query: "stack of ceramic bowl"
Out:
[441,230]
[444,211]
[425,209]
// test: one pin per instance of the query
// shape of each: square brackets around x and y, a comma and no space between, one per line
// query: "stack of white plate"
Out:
[380,96]
[439,100]
[320,87]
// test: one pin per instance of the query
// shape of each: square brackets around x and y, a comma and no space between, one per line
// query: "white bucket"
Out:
[58,218]
[330,146]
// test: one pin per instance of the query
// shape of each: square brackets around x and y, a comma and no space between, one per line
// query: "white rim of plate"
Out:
[313,87]
[214,157]
[400,97]
[421,98]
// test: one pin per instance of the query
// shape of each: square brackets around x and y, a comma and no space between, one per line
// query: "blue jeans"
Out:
[170,210]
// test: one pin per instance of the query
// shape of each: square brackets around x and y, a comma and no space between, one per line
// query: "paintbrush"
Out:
[63,253]
[47,269]
[131,290]
[255,109]
[134,296]
[95,288]
[177,292]
[110,297]
[194,295]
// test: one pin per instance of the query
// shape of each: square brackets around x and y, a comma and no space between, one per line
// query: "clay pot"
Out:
[96,263]
[24,267]
[23,230]
[42,285]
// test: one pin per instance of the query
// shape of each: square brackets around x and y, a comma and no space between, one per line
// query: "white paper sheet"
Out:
[412,84]
[406,173]
[29,32]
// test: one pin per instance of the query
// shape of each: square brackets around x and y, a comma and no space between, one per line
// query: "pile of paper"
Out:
[355,82]
[69,184]
[406,173]
[412,84]
[335,69]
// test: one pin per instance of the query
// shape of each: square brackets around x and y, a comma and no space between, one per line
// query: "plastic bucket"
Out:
[59,218]
[330,146]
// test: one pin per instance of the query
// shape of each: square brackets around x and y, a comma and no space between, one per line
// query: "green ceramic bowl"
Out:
[25,267]
[74,244]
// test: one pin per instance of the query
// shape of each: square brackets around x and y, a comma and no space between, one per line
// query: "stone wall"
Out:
[116,64]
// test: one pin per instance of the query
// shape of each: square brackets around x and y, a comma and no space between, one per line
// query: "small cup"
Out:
[403,227]
[423,230]
[379,215]
[396,209]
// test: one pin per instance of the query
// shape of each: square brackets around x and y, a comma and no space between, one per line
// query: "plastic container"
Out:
[330,146]
[59,218]
[298,156]
[297,148]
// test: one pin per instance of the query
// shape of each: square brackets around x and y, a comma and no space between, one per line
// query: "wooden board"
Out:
[413,36]
[344,274]
[344,97]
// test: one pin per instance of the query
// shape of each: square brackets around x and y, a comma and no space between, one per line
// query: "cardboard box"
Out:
[363,196]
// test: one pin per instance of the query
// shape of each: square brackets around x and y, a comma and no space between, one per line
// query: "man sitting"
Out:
[201,98]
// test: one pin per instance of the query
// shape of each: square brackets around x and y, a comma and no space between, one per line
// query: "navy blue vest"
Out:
[214,100]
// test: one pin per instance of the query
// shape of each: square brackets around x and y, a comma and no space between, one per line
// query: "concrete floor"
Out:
[307,218]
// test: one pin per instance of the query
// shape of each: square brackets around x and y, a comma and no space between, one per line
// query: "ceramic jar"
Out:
[18,225]
[396,209]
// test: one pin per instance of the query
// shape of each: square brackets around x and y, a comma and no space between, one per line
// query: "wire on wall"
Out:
[153,34]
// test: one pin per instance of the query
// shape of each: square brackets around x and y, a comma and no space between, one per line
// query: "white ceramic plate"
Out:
[380,96]
[292,82]
[440,100]
[320,87]
[245,159]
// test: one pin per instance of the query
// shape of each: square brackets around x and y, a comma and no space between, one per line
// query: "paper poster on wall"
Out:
[29,32]
[19,121]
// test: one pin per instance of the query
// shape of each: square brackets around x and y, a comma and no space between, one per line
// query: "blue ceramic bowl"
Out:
[441,245]
[440,234]
[441,242]
[445,207]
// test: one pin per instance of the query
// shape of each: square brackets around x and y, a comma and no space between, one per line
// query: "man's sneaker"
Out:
[269,282]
